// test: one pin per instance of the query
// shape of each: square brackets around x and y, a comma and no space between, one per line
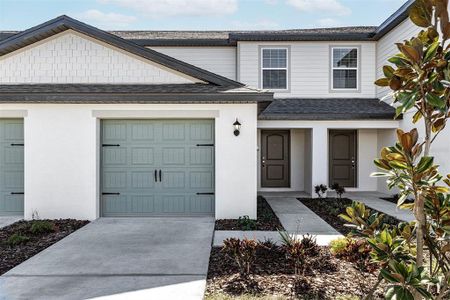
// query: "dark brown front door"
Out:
[343,157]
[275,162]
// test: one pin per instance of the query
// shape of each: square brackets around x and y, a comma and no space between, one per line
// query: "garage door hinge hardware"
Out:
[205,193]
[17,145]
[17,193]
[110,193]
[205,145]
[111,145]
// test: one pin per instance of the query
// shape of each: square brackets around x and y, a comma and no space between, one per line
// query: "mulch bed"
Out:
[329,210]
[325,278]
[12,255]
[267,220]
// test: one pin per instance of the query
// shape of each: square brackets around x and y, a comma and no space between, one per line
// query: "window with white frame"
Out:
[344,74]
[274,68]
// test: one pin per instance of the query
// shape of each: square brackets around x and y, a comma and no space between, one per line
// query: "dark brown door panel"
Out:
[275,158]
[343,154]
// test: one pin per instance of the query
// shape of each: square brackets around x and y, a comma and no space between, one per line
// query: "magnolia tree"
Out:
[414,258]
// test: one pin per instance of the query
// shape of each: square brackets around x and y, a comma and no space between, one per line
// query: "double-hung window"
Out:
[345,62]
[274,68]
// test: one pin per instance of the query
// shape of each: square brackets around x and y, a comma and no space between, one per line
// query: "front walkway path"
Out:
[119,258]
[8,220]
[373,200]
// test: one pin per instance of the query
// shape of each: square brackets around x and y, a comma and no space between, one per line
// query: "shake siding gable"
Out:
[70,57]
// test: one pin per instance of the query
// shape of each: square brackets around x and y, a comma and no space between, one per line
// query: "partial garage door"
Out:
[11,166]
[157,167]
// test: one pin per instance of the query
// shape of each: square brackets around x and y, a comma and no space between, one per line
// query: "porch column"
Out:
[319,157]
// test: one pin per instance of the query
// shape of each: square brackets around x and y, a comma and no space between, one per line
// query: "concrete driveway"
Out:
[120,258]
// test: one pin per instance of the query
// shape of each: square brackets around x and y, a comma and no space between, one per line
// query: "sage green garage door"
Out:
[157,167]
[11,166]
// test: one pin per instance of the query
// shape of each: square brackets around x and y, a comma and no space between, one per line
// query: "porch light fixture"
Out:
[237,127]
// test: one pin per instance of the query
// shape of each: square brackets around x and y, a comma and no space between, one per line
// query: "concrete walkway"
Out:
[295,217]
[373,200]
[8,220]
[119,258]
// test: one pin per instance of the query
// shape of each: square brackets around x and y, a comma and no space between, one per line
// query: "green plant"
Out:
[246,223]
[17,239]
[338,246]
[320,190]
[41,227]
[353,250]
[299,250]
[243,252]
[419,77]
[340,190]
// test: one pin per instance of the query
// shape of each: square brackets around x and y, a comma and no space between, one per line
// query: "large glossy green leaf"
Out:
[435,100]
[424,164]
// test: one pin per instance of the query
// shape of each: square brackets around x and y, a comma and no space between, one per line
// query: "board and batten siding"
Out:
[219,60]
[386,48]
[309,68]
[70,57]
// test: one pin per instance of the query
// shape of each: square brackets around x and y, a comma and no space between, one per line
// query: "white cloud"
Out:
[333,7]
[106,20]
[258,25]
[170,8]
[271,2]
[328,22]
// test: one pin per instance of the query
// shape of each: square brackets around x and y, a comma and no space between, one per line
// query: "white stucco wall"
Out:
[62,155]
[297,167]
[367,152]
[219,60]
[386,138]
[309,68]
[70,57]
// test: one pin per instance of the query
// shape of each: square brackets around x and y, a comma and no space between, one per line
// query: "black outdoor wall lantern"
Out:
[237,127]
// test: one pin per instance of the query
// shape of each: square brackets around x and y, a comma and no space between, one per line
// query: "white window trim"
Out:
[261,78]
[347,68]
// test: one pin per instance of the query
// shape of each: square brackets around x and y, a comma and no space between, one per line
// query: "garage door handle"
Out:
[111,145]
[17,144]
[205,145]
[156,176]
[160,176]
[17,193]
[111,194]
[205,193]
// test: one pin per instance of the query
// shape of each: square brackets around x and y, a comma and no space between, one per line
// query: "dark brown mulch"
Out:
[11,256]
[267,220]
[325,278]
[329,210]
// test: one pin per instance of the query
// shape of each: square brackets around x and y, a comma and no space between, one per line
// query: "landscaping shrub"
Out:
[41,227]
[298,251]
[247,223]
[356,251]
[320,190]
[17,239]
[243,252]
[340,190]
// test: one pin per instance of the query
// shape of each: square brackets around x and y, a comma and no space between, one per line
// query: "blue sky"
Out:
[199,14]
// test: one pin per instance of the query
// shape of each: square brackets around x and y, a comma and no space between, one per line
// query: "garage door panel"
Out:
[173,156]
[114,155]
[114,180]
[142,180]
[173,131]
[143,156]
[142,204]
[201,156]
[174,179]
[201,203]
[143,131]
[201,132]
[11,167]
[116,131]
[169,146]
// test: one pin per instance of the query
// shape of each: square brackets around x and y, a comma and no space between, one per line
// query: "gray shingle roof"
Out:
[129,93]
[327,109]
[230,37]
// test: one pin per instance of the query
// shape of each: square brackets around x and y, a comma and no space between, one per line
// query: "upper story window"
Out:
[344,68]
[274,68]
